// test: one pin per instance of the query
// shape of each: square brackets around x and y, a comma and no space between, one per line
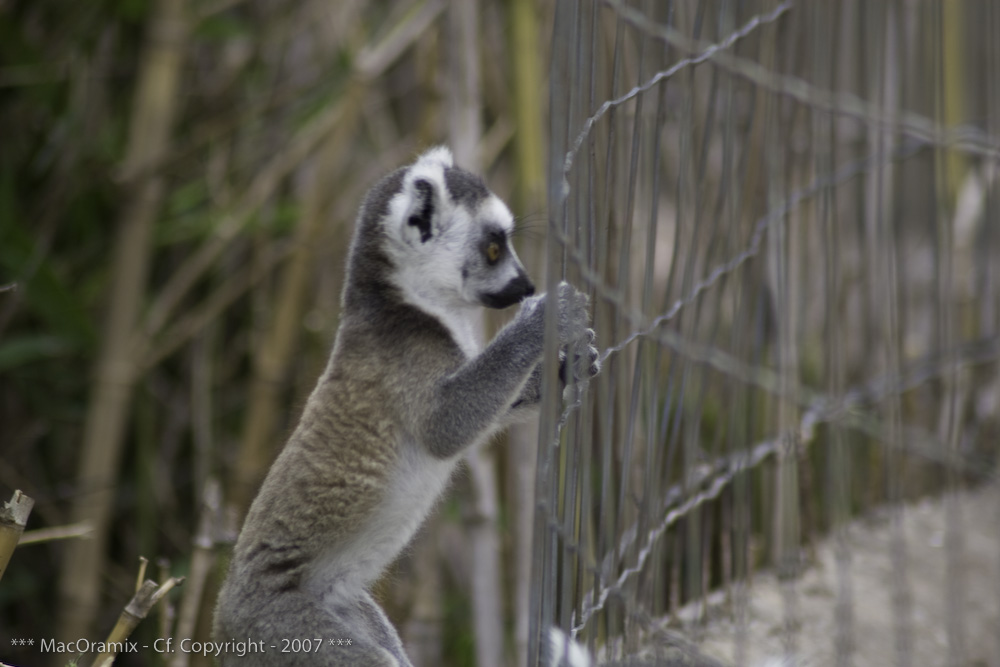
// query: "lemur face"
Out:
[451,239]
[492,274]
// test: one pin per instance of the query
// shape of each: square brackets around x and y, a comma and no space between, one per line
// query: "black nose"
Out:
[517,289]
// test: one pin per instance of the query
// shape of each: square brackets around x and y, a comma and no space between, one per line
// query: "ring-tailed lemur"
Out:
[407,391]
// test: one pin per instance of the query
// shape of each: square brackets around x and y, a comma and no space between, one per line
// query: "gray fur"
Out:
[400,401]
[465,188]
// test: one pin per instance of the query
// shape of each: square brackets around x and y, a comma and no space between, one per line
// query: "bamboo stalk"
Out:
[954,74]
[529,139]
[202,560]
[104,432]
[69,532]
[138,608]
[530,198]
[13,518]
[423,630]
[465,126]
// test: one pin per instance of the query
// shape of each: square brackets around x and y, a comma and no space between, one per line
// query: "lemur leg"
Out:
[347,632]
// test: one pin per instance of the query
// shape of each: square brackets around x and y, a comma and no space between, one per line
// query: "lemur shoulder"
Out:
[407,391]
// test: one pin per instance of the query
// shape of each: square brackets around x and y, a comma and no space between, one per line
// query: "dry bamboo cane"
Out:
[145,598]
[108,411]
[202,560]
[521,439]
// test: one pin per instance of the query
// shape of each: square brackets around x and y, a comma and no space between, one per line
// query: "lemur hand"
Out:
[573,315]
[575,337]
[574,334]
[586,358]
[571,305]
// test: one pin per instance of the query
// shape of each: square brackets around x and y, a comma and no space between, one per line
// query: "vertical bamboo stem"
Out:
[530,198]
[202,557]
[104,431]
[423,631]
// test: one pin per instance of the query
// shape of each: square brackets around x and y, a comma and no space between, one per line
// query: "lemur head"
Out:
[448,239]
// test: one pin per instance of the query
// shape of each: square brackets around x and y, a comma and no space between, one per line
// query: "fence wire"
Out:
[787,216]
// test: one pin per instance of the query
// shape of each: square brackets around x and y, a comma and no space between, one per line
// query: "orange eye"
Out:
[493,252]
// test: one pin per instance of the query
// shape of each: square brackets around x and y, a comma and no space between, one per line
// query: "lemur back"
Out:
[407,391]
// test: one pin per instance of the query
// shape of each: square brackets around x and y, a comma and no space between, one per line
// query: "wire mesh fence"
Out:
[788,218]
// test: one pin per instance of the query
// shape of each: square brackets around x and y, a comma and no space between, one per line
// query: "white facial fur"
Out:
[444,271]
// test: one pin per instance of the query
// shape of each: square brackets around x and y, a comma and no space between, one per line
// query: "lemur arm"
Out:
[470,401]
[531,393]
[506,376]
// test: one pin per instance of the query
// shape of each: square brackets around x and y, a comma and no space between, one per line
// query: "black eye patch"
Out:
[493,246]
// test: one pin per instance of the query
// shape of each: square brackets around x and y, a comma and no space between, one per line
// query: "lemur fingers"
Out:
[586,359]
[573,314]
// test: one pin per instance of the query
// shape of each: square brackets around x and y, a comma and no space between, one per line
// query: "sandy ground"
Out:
[873,608]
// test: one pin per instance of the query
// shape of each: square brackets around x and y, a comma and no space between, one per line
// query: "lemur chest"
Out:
[415,483]
[418,482]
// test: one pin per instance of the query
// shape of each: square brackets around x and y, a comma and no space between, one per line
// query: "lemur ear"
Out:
[425,195]
[422,209]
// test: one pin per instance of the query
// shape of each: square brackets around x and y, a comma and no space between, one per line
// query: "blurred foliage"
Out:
[257,74]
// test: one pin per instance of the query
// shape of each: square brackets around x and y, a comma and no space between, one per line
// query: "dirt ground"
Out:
[873,608]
